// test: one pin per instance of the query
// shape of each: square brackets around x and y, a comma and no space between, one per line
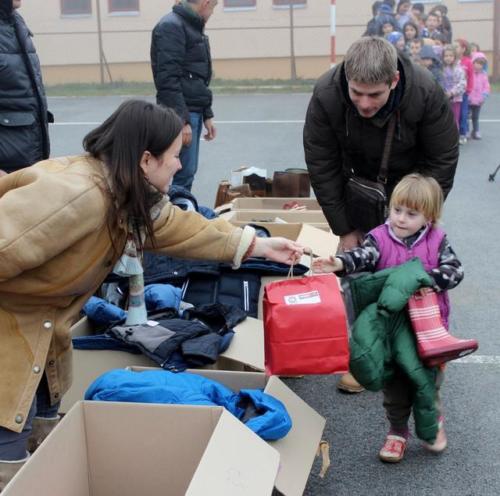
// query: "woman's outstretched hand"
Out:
[278,249]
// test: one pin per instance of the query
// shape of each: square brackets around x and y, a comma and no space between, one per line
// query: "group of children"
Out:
[410,230]
[459,67]
[464,78]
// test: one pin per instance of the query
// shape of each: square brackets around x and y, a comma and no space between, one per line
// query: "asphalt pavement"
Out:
[266,131]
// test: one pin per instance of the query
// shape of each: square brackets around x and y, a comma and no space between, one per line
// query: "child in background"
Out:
[418,14]
[466,62]
[432,62]
[415,47]
[410,32]
[454,82]
[411,230]
[387,25]
[438,40]
[444,22]
[480,90]
[397,39]
[403,12]
[431,25]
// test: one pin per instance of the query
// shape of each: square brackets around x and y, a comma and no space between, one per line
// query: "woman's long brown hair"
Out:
[120,141]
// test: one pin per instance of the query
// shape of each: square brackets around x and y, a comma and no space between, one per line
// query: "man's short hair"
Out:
[371,60]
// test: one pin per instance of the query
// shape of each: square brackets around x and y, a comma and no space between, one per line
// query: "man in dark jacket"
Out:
[182,69]
[24,136]
[346,125]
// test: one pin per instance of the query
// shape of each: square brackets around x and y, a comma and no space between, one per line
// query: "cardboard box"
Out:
[276,218]
[322,243]
[273,203]
[130,449]
[245,352]
[299,447]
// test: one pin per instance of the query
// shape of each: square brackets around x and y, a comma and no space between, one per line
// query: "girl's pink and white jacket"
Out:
[481,86]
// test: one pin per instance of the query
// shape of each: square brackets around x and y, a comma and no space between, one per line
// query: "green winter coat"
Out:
[382,338]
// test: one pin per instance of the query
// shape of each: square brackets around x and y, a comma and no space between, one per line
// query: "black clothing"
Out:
[24,137]
[337,139]
[181,63]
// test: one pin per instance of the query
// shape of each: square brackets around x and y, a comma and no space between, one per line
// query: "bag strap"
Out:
[384,164]
[309,272]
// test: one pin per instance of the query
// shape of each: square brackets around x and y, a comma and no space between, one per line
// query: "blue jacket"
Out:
[269,419]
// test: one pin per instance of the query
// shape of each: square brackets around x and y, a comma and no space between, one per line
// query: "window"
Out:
[123,6]
[240,4]
[76,7]
[286,3]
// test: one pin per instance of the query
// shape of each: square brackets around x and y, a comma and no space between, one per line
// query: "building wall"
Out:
[245,43]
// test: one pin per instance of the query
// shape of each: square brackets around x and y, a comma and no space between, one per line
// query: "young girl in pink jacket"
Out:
[480,90]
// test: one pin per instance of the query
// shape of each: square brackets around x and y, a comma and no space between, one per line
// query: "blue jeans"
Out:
[189,154]
[464,115]
[13,444]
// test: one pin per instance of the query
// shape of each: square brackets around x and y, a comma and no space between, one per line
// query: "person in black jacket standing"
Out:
[24,135]
[182,69]
[346,126]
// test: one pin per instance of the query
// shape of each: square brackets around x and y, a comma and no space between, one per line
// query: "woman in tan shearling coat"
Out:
[63,226]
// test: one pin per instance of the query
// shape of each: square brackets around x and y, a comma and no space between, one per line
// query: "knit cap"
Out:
[385,9]
[394,37]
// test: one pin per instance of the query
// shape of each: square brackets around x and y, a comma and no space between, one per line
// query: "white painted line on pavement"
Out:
[83,123]
[481,359]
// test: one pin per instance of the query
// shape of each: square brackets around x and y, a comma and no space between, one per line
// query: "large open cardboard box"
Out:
[108,448]
[246,352]
[299,447]
[131,449]
[272,203]
[274,218]
[322,242]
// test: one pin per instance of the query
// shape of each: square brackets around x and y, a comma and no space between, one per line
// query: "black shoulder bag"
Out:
[366,200]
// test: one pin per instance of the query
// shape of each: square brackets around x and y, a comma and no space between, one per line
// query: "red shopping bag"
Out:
[305,329]
[435,345]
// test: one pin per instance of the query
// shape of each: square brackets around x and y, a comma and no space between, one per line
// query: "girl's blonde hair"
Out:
[420,193]
[451,48]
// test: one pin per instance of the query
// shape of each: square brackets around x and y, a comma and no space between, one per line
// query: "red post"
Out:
[333,27]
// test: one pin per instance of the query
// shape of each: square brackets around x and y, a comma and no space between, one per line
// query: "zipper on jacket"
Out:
[216,291]
[375,190]
[246,297]
[184,289]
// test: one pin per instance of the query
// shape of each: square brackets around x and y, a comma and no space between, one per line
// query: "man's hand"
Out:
[211,131]
[350,241]
[187,135]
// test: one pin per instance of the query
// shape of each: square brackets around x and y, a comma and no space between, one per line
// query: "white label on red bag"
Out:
[303,298]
